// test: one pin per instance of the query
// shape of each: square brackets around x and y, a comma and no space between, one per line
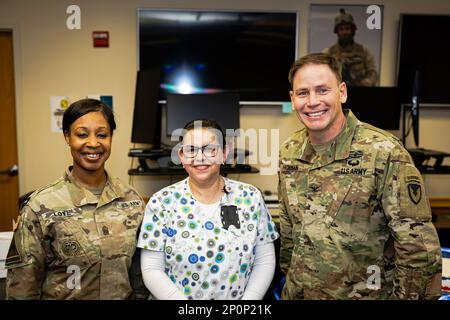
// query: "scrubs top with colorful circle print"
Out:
[203,259]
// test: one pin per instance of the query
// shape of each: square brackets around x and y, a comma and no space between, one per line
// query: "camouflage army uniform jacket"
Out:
[69,244]
[355,221]
[358,64]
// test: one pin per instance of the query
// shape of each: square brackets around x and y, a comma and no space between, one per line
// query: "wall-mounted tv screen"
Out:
[248,53]
[424,50]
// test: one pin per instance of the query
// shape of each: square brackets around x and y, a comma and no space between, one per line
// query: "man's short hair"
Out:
[316,58]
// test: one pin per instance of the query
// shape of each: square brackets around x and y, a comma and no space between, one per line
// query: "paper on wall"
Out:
[58,104]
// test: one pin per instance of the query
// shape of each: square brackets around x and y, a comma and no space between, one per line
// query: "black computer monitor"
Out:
[422,49]
[415,107]
[147,111]
[221,107]
[378,106]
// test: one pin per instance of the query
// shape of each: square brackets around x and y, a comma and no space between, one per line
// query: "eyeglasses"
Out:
[209,150]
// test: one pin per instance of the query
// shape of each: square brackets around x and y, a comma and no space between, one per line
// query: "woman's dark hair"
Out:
[84,106]
[206,124]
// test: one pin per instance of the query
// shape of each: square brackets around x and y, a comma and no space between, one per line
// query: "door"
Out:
[9,181]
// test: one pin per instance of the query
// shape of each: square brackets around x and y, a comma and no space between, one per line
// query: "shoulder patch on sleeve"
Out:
[413,200]
[414,188]
[17,255]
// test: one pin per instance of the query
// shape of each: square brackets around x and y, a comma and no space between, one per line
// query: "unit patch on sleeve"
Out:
[414,188]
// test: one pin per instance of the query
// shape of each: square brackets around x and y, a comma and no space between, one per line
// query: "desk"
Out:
[5,241]
[440,208]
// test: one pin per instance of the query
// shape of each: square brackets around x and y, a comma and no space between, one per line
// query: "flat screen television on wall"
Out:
[204,51]
[423,54]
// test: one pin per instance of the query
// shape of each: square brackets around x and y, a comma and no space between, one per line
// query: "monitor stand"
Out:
[422,156]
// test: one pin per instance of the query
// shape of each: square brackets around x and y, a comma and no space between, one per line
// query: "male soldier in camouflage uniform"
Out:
[358,64]
[355,220]
[71,245]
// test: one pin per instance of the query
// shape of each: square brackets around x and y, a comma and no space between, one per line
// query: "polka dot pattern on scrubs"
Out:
[203,259]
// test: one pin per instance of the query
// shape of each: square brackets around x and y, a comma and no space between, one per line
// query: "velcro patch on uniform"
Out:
[353,157]
[62,213]
[71,247]
[412,178]
[412,194]
[291,192]
[354,171]
[13,256]
[289,168]
[129,204]
[356,154]
[414,188]
[353,162]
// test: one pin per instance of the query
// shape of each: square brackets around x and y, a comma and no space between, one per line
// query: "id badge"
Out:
[229,217]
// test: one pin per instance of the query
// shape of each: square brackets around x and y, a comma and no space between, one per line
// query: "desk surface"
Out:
[440,202]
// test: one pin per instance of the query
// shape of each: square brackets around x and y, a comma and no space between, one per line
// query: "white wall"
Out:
[52,60]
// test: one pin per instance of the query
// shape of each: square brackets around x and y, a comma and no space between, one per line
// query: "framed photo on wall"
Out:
[353,34]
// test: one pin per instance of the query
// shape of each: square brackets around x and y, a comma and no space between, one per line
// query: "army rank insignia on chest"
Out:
[288,168]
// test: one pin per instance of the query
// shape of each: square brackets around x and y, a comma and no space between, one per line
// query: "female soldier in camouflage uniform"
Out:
[76,237]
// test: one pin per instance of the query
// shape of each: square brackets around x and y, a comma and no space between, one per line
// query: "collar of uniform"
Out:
[344,139]
[111,191]
[341,147]
[81,196]
[347,48]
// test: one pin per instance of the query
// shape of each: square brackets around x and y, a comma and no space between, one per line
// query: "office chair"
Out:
[23,199]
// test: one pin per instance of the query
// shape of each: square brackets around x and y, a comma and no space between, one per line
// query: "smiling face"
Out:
[90,141]
[317,98]
[203,169]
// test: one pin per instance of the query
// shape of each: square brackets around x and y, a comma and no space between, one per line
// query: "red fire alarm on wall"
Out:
[101,39]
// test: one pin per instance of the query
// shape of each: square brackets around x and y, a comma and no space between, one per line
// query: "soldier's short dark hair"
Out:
[84,106]
[316,58]
[205,124]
